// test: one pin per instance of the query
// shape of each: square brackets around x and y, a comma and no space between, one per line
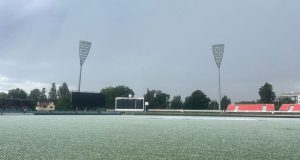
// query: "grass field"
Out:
[148,137]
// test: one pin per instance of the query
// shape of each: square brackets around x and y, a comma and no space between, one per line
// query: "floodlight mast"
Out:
[84,49]
[218,51]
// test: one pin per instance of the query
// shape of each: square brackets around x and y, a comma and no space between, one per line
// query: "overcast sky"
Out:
[156,44]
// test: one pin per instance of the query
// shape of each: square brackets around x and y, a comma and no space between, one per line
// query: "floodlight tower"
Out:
[218,51]
[84,49]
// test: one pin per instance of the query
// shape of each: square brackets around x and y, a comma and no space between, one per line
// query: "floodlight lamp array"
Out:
[218,51]
[84,48]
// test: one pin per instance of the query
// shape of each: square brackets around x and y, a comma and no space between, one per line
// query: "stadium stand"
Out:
[284,107]
[297,108]
[290,108]
[231,107]
[250,107]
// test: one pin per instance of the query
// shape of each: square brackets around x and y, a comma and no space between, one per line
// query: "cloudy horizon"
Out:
[160,45]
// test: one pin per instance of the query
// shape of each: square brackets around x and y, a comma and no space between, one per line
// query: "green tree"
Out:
[213,105]
[109,96]
[157,99]
[112,92]
[286,100]
[53,93]
[266,93]
[176,103]
[198,100]
[64,97]
[35,94]
[43,96]
[17,94]
[225,102]
[3,95]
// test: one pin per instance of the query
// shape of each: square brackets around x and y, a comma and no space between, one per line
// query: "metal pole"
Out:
[80,77]
[220,88]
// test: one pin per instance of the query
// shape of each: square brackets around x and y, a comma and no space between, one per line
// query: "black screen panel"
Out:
[86,100]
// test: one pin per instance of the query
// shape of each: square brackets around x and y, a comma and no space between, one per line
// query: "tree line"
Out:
[160,100]
[60,97]
[157,99]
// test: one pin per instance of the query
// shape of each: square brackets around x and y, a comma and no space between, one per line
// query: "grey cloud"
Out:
[156,44]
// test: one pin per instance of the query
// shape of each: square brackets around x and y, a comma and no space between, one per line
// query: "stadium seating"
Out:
[284,107]
[297,108]
[250,107]
[231,107]
[290,108]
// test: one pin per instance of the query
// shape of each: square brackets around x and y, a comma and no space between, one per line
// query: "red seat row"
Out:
[284,107]
[250,107]
[290,107]
[297,108]
[230,107]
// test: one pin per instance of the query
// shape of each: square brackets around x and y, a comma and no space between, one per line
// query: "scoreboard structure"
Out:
[88,101]
[129,104]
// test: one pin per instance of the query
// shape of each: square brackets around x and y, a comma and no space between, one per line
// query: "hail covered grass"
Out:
[148,137]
